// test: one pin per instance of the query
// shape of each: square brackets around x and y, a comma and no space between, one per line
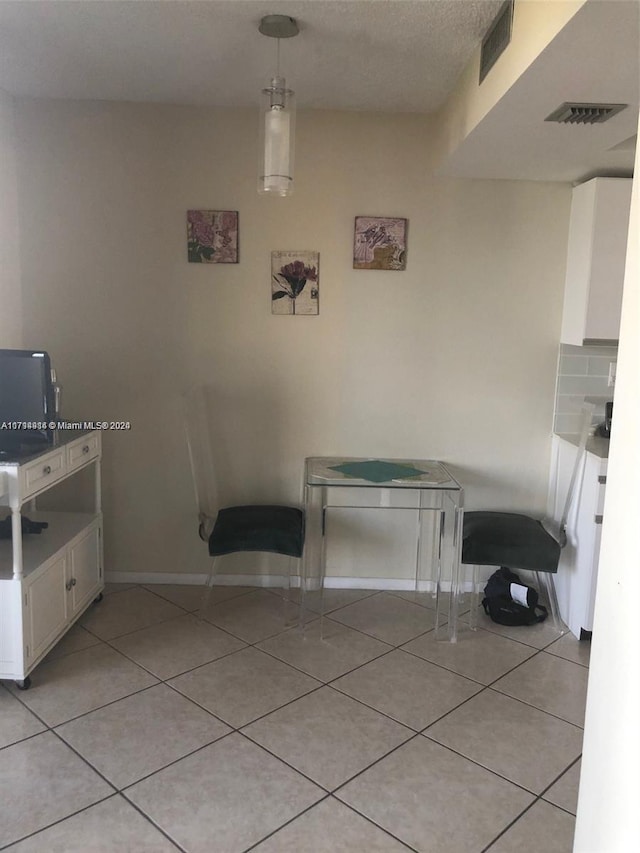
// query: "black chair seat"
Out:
[508,539]
[278,529]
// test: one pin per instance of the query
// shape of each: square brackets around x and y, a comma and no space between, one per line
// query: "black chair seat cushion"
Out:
[508,539]
[279,529]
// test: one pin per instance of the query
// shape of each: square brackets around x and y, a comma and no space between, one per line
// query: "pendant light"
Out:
[277,118]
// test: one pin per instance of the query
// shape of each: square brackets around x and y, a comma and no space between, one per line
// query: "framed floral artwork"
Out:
[212,236]
[380,243]
[295,278]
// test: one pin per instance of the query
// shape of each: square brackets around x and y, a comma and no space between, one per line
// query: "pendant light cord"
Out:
[278,59]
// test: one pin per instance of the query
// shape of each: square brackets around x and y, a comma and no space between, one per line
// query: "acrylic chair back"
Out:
[201,459]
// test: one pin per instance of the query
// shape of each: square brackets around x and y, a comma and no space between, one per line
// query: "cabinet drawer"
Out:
[80,452]
[44,472]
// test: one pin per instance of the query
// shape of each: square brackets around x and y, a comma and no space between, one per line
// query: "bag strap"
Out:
[542,616]
[537,617]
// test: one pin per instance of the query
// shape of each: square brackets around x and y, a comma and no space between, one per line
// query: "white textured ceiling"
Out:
[383,55]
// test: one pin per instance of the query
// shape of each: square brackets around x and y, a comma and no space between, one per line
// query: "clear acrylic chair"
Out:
[228,530]
[519,541]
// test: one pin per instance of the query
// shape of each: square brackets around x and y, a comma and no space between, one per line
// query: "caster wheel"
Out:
[98,598]
[25,684]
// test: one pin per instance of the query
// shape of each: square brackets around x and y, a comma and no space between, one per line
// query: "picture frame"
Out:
[212,236]
[295,282]
[380,243]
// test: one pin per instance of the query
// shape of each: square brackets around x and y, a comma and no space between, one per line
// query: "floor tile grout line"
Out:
[377,825]
[149,588]
[388,716]
[437,743]
[311,779]
[442,666]
[304,672]
[557,779]
[379,639]
[287,823]
[153,823]
[23,739]
[56,822]
[182,672]
[173,761]
[538,798]
[340,693]
[542,648]
[373,764]
[483,766]
[345,805]
[250,722]
[283,761]
[535,707]
[569,660]
[508,827]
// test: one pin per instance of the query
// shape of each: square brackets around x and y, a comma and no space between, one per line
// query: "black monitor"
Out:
[26,401]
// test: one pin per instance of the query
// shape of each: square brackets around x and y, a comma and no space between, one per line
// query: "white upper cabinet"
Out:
[595,261]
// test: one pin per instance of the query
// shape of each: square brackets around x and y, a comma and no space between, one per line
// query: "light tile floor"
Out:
[147,730]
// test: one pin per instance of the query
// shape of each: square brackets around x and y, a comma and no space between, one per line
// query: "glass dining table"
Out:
[424,486]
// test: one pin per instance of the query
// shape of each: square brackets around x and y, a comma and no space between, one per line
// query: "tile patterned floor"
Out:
[147,730]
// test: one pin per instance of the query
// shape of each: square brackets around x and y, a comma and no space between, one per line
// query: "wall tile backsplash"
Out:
[583,374]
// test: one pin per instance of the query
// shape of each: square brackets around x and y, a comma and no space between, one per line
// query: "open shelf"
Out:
[37,548]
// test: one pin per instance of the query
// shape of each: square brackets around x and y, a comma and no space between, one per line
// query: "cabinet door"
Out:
[598,230]
[46,605]
[85,570]
[608,257]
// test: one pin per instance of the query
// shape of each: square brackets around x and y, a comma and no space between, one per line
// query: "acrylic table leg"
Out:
[323,554]
[313,555]
[16,536]
[440,563]
[456,554]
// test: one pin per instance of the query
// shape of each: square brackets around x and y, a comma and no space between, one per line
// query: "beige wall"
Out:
[10,299]
[454,358]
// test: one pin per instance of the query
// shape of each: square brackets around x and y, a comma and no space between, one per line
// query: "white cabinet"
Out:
[47,579]
[577,574]
[45,604]
[83,570]
[596,255]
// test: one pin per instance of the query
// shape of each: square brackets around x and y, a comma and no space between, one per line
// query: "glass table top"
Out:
[379,473]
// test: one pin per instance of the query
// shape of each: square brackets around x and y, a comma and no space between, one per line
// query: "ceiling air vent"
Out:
[585,113]
[497,38]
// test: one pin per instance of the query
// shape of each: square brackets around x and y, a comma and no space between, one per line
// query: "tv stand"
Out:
[47,580]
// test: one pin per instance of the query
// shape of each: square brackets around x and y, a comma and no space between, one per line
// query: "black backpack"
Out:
[508,601]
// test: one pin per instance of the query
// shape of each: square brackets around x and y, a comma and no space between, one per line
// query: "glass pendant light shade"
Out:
[277,136]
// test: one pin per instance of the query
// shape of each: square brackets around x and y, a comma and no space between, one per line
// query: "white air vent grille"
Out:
[584,113]
[497,38]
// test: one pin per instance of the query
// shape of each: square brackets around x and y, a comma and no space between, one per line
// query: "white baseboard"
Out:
[331,582]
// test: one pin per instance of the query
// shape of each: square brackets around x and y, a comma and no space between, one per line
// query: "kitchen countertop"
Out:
[596,445]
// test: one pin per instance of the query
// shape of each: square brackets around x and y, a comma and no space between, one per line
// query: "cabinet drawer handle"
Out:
[70,583]
[85,449]
[46,469]
[602,479]
[598,519]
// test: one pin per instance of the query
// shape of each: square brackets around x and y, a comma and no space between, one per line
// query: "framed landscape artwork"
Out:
[380,243]
[212,236]
[295,281]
